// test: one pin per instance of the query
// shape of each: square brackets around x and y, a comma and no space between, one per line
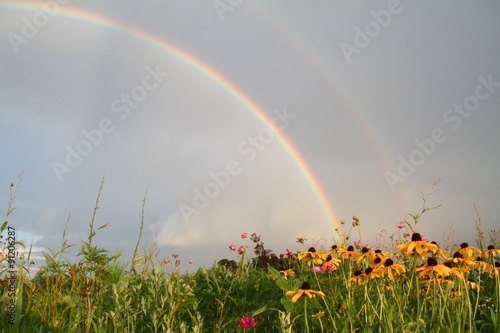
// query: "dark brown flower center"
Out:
[350,248]
[416,237]
[464,245]
[457,255]
[388,262]
[305,286]
[377,260]
[368,270]
[312,249]
[431,261]
[358,272]
[365,249]
[491,247]
[334,247]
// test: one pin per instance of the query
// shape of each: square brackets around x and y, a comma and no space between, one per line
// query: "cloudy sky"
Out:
[377,100]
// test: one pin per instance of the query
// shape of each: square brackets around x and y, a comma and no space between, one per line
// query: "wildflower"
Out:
[377,259]
[241,250]
[355,222]
[454,270]
[390,267]
[191,261]
[459,258]
[289,253]
[494,270]
[175,255]
[433,267]
[490,252]
[481,264]
[319,314]
[363,277]
[473,285]
[305,289]
[165,260]
[331,263]
[247,322]
[312,257]
[301,240]
[317,269]
[232,247]
[468,251]
[407,234]
[417,244]
[358,276]
[400,225]
[366,254]
[333,249]
[244,235]
[287,272]
[439,252]
[349,252]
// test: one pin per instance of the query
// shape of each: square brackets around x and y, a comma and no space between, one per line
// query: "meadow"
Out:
[402,283]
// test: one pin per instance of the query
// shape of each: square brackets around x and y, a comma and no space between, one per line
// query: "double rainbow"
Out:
[95,19]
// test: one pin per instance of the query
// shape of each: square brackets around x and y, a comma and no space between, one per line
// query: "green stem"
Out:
[305,314]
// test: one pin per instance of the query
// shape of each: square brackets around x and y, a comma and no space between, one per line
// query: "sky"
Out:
[280,118]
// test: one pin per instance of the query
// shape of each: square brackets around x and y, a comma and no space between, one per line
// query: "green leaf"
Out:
[259,311]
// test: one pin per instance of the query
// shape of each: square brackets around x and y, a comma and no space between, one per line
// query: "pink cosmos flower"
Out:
[241,250]
[400,225]
[424,239]
[317,269]
[247,322]
[191,261]
[289,253]
[407,234]
[301,240]
[232,247]
[329,268]
[175,255]
[244,235]
[357,245]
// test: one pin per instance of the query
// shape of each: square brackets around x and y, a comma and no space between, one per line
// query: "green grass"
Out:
[100,292]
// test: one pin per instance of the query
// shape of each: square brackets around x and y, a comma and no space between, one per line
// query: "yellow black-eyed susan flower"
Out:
[288,272]
[491,252]
[311,257]
[331,263]
[349,253]
[456,271]
[363,277]
[392,268]
[494,270]
[468,251]
[417,246]
[305,289]
[433,269]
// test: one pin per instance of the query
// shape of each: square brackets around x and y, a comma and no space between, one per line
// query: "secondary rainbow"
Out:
[108,23]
